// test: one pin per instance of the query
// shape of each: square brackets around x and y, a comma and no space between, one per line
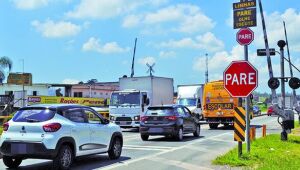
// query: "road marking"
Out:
[126,163]
[180,164]
[144,149]
[131,137]
[148,146]
[220,140]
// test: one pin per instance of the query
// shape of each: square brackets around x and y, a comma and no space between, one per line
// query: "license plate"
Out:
[154,118]
[122,123]
[157,130]
[18,148]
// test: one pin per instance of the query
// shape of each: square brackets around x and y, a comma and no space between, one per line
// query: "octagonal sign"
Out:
[240,78]
[245,36]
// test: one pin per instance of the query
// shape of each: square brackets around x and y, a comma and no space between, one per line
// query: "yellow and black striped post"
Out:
[239,124]
[239,127]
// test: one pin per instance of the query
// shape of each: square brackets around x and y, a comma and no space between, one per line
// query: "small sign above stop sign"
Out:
[245,36]
[240,78]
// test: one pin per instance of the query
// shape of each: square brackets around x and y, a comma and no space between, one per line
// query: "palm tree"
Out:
[5,63]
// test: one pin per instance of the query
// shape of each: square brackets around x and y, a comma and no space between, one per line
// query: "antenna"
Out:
[290,63]
[206,72]
[150,69]
[132,66]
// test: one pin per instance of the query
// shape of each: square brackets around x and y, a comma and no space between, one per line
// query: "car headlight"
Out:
[136,118]
[111,118]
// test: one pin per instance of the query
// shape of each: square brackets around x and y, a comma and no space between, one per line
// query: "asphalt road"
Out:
[161,153]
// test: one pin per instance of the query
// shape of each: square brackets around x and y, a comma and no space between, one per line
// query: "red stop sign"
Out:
[240,78]
[245,36]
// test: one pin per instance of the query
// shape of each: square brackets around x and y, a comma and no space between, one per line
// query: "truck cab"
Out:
[126,107]
[191,97]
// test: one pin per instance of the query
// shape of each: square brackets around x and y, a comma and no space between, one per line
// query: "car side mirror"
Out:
[147,101]
[105,121]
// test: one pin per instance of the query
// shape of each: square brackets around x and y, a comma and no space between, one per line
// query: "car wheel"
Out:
[179,135]
[116,149]
[213,125]
[145,137]
[197,131]
[11,162]
[64,158]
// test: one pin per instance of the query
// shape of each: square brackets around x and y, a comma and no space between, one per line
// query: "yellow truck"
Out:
[218,105]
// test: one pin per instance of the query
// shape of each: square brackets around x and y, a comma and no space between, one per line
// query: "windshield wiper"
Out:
[32,120]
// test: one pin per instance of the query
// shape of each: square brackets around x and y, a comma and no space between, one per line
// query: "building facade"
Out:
[95,90]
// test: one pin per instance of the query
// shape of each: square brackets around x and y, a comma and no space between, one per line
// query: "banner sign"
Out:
[65,100]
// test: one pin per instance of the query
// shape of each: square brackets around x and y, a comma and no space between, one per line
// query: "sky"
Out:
[67,41]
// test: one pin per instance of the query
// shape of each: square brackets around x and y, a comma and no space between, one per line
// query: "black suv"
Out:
[174,120]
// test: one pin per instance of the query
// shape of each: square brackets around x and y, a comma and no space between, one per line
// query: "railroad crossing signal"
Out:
[240,78]
[239,124]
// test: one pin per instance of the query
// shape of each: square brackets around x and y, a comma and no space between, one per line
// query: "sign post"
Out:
[244,15]
[240,79]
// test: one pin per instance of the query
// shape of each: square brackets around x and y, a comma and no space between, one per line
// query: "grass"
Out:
[297,124]
[269,153]
[1,130]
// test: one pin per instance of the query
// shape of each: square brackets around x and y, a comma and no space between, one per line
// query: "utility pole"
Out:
[206,72]
[274,97]
[23,86]
[132,66]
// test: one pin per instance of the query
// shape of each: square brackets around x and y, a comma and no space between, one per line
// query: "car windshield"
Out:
[125,98]
[33,115]
[187,102]
[159,111]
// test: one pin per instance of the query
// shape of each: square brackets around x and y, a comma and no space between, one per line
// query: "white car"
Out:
[60,133]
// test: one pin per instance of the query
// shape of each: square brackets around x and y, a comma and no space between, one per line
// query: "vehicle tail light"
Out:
[144,118]
[5,126]
[172,118]
[52,127]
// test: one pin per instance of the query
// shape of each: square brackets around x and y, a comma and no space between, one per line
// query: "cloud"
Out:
[93,44]
[145,60]
[70,81]
[30,4]
[219,61]
[187,19]
[167,54]
[51,29]
[207,42]
[275,30]
[131,21]
[101,9]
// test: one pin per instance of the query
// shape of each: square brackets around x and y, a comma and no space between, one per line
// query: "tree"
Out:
[92,81]
[5,63]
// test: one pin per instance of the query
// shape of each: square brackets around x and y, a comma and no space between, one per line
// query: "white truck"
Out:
[136,94]
[191,97]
